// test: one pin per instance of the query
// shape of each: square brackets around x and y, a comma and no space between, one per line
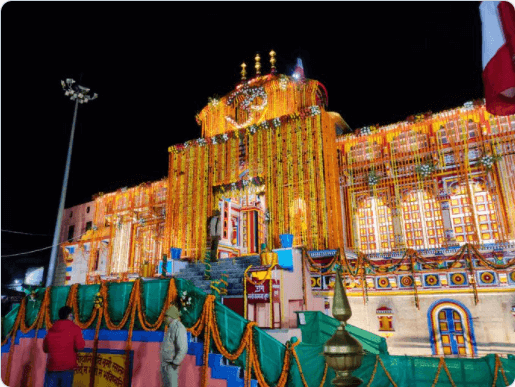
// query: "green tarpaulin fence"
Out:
[318,328]
[404,370]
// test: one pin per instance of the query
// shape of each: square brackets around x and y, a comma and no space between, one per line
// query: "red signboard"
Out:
[258,293]
[261,293]
[276,290]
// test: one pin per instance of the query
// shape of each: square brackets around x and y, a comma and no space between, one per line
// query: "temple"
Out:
[411,208]
[418,214]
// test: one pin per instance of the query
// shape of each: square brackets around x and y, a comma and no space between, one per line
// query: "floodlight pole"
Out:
[80,95]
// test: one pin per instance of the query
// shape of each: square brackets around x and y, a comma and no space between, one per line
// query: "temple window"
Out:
[457,131]
[502,124]
[423,224]
[375,225]
[364,152]
[409,142]
[467,216]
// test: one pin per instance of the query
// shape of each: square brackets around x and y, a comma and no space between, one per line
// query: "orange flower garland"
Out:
[171,297]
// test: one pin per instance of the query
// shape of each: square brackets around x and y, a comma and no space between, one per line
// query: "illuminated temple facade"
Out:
[421,210]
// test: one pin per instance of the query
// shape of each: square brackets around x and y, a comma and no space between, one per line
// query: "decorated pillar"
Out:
[444,199]
[397,227]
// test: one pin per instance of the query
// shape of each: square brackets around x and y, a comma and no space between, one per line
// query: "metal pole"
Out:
[55,242]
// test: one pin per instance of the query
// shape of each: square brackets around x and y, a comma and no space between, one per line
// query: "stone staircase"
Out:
[233,267]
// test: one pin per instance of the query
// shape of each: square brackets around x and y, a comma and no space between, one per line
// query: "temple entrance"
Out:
[243,224]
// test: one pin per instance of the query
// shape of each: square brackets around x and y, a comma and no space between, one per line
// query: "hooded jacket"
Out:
[175,343]
[62,342]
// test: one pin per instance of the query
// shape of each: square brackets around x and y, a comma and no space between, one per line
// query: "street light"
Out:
[79,94]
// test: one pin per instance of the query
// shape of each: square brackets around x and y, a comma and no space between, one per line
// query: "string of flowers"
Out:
[109,323]
[440,364]
[75,307]
[318,267]
[95,348]
[498,365]
[508,265]
[171,296]
[260,282]
[256,181]
[299,366]
[324,375]
[207,323]
[379,361]
[23,311]
[310,111]
[283,377]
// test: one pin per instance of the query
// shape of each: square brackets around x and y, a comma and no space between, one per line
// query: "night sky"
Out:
[154,66]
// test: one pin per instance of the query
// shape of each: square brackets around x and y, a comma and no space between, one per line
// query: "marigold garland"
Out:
[317,267]
[207,324]
[95,348]
[259,282]
[498,365]
[131,305]
[440,364]
[298,364]
[75,307]
[171,297]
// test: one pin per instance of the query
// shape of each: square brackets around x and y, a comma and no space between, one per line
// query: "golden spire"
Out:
[258,65]
[272,61]
[243,71]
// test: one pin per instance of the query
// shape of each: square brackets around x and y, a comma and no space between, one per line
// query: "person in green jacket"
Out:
[173,348]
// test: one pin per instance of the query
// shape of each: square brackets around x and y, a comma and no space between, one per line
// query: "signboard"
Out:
[109,370]
[258,293]
[276,290]
[261,293]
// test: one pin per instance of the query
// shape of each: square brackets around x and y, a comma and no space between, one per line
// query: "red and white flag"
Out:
[498,27]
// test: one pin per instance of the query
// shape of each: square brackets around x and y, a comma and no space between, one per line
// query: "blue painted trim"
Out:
[215,362]
[122,335]
[7,346]
[89,334]
[432,333]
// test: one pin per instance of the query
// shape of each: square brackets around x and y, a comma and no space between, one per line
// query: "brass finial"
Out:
[343,352]
[272,61]
[243,71]
[258,65]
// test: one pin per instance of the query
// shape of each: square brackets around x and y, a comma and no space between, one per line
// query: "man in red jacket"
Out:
[62,343]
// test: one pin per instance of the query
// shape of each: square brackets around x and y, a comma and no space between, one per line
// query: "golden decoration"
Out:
[258,65]
[243,71]
[272,61]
